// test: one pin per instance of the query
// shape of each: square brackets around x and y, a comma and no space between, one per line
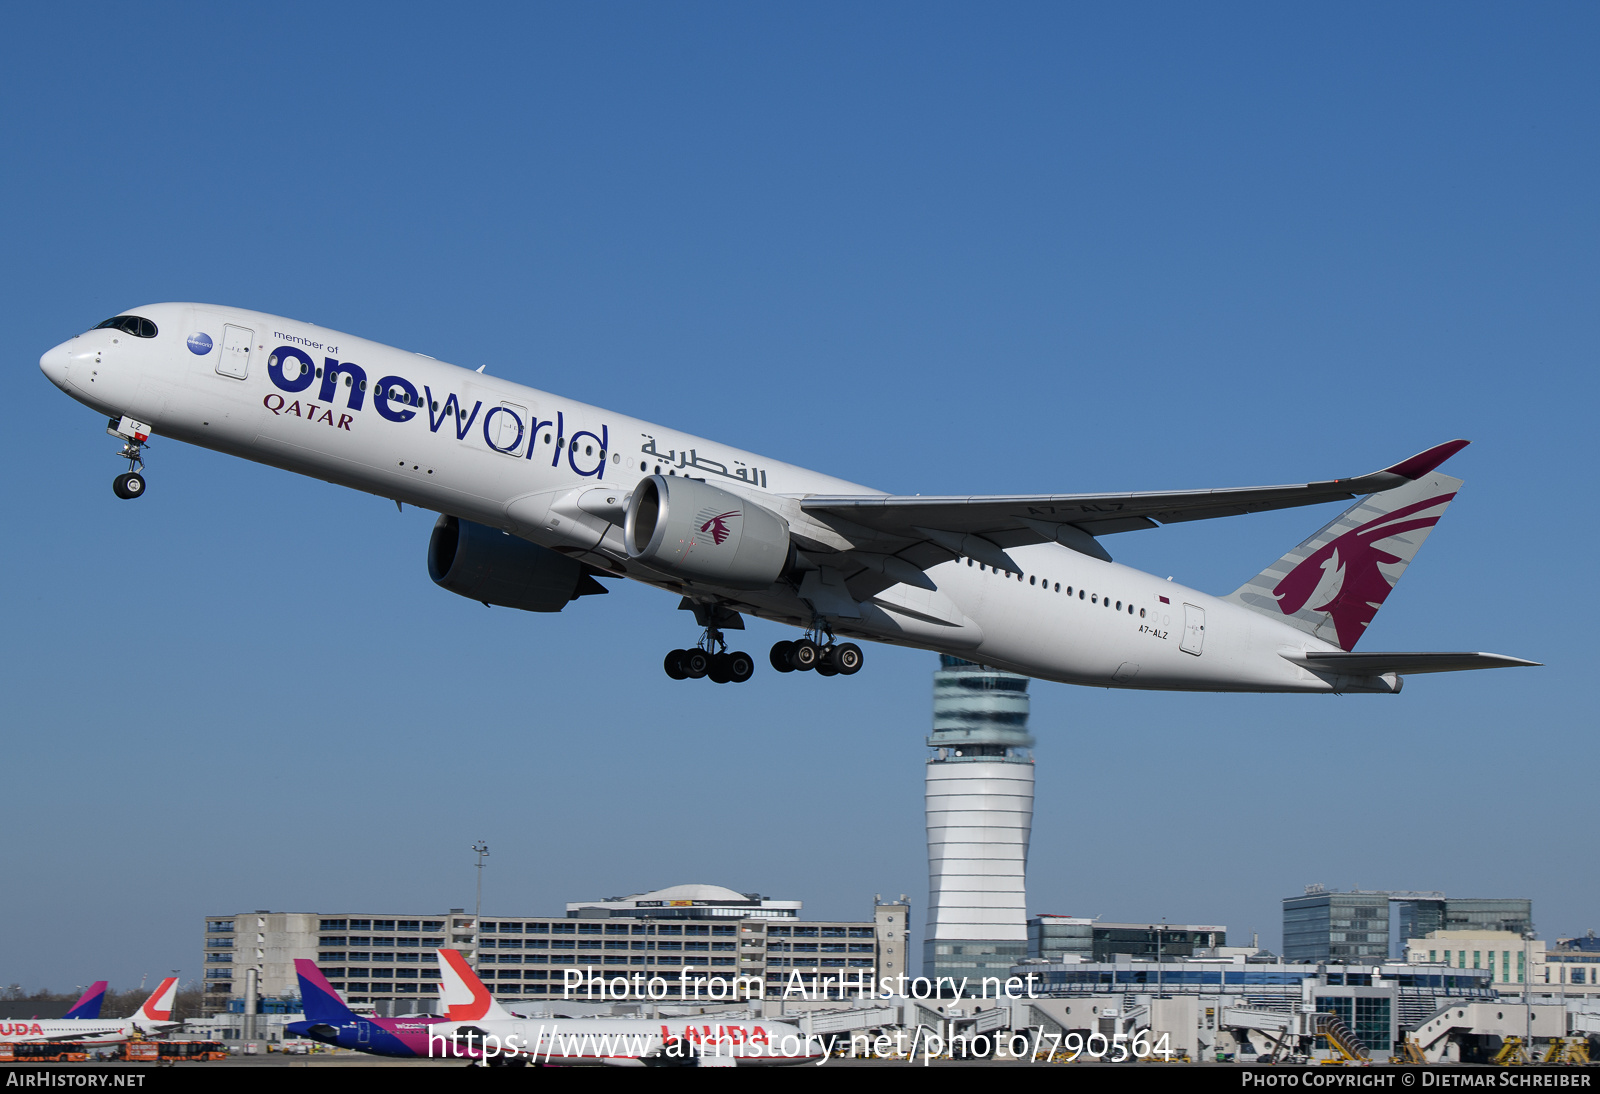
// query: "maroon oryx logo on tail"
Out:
[1343,575]
[717,526]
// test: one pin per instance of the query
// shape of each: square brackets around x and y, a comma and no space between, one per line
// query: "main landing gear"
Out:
[710,657]
[809,653]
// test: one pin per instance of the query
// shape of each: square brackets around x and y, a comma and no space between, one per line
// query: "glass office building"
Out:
[1353,927]
[1349,928]
[1513,914]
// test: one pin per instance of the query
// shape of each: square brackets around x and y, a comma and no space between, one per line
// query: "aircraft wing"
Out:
[981,527]
[1376,664]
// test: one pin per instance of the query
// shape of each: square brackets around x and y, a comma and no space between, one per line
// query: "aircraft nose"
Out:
[55,364]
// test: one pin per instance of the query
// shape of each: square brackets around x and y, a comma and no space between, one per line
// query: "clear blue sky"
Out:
[931,248]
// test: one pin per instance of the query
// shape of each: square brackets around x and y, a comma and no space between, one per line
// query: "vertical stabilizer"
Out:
[463,994]
[1334,583]
[89,1005]
[318,999]
[158,1008]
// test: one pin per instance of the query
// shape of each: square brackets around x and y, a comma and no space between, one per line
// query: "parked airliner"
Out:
[476,1027]
[83,1024]
[703,1041]
[540,495]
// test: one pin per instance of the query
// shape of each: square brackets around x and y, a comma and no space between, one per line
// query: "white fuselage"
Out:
[519,459]
[78,1031]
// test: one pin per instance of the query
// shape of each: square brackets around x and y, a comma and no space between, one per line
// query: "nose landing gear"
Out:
[129,484]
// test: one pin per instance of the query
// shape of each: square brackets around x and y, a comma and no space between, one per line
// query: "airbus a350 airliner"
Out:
[539,496]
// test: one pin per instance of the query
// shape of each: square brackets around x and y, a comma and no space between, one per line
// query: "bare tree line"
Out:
[118,1004]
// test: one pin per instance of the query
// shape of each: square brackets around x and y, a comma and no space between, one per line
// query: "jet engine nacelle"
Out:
[705,533]
[482,563]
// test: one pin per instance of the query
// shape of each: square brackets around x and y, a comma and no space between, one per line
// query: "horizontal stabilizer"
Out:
[1376,664]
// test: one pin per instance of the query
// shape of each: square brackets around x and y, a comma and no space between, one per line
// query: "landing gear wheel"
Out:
[825,668]
[780,655]
[674,665]
[847,658]
[741,666]
[805,654]
[129,484]
[720,672]
[696,663]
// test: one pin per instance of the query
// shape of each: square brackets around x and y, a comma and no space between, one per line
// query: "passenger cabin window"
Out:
[135,325]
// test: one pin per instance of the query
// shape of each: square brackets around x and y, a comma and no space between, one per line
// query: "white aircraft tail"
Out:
[1333,584]
[158,1008]
[463,994]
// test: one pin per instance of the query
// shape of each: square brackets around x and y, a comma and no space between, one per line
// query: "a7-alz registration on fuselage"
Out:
[540,496]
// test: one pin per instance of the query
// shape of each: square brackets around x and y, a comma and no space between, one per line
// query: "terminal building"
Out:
[747,942]
[979,793]
[1516,963]
[1205,996]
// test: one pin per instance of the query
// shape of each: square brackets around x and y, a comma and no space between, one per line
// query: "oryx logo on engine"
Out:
[716,527]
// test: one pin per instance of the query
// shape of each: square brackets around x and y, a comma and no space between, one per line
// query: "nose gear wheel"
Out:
[128,485]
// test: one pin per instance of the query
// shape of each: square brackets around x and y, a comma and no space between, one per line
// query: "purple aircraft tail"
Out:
[89,1005]
[320,1002]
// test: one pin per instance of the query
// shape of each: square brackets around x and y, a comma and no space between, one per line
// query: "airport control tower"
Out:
[980,814]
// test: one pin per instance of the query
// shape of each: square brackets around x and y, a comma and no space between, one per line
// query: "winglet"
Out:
[1423,462]
[89,1005]
[465,996]
[318,999]
[158,1008]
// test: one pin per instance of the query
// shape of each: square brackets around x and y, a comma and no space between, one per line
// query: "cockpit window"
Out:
[130,324]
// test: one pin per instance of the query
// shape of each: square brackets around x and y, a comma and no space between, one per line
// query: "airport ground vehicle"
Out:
[171,1051]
